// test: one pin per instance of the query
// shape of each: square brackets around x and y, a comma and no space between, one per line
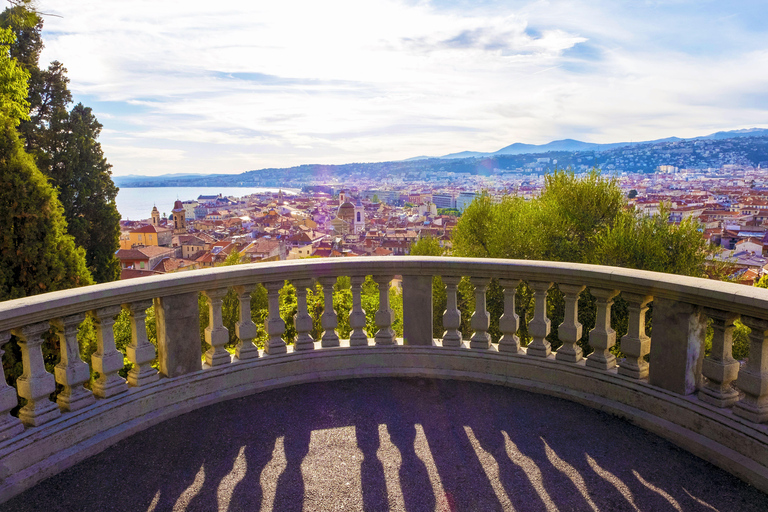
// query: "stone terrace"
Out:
[279,418]
[393,444]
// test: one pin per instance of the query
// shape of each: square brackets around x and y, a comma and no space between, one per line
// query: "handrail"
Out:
[680,395]
[704,292]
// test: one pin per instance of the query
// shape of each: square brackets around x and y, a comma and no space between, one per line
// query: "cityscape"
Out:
[382,209]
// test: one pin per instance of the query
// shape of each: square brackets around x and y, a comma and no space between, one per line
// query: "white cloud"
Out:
[242,85]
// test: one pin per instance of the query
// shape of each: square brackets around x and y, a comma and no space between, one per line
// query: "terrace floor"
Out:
[393,444]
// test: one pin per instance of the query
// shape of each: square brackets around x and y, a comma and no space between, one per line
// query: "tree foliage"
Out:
[65,147]
[575,219]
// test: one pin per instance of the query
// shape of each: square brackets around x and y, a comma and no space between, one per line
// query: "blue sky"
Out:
[209,87]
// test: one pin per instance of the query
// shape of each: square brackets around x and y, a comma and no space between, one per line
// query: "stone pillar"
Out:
[329,320]
[720,368]
[635,344]
[385,335]
[677,346]
[569,331]
[107,360]
[140,351]
[357,318]
[178,334]
[274,324]
[71,372]
[35,384]
[602,337]
[245,328]
[539,325]
[481,319]
[417,310]
[302,320]
[509,322]
[216,335]
[452,315]
[9,426]
[753,379]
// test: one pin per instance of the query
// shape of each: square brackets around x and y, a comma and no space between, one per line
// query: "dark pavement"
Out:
[393,444]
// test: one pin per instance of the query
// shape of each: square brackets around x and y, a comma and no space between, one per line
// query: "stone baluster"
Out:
[357,318]
[602,337]
[140,351]
[302,320]
[71,372]
[384,316]
[216,335]
[635,344]
[540,324]
[452,316]
[35,384]
[720,368]
[107,360]
[9,426]
[569,331]
[275,325]
[509,322]
[481,319]
[245,328]
[753,378]
[328,320]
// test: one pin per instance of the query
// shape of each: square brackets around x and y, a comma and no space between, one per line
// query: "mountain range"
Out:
[519,148]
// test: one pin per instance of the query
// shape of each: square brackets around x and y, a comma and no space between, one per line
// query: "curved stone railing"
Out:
[665,384]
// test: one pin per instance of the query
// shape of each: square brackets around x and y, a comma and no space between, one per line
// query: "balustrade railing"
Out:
[670,360]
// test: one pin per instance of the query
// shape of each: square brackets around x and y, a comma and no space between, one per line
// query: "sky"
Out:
[184,86]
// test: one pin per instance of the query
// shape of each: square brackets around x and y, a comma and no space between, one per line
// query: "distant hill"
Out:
[739,147]
[518,148]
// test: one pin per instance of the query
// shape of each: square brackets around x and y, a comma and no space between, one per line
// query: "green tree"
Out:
[75,163]
[64,145]
[577,219]
[36,253]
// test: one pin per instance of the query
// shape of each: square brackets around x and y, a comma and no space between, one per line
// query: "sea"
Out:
[137,203]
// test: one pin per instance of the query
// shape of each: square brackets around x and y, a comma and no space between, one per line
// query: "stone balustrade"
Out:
[710,405]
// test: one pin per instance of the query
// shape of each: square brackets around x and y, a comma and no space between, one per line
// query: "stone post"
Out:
[302,320]
[753,379]
[329,320]
[539,325]
[140,351]
[385,335]
[635,344]
[452,316]
[107,360]
[357,318]
[417,310]
[216,335]
[569,331]
[481,319]
[720,368]
[178,338]
[274,324]
[602,337]
[71,372]
[35,384]
[245,328]
[509,322]
[677,346]
[9,426]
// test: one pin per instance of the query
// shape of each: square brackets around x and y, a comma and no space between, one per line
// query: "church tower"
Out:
[179,217]
[342,197]
[155,217]
[359,221]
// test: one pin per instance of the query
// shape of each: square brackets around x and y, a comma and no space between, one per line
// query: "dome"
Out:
[177,205]
[346,211]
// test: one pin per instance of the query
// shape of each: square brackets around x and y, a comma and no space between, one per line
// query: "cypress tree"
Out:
[36,253]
